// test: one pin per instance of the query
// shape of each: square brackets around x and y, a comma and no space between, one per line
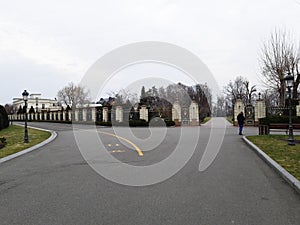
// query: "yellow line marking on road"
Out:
[116,151]
[139,151]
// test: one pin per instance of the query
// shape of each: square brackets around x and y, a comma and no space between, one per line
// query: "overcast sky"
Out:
[46,44]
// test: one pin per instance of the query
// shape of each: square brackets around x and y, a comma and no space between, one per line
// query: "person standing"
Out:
[241,120]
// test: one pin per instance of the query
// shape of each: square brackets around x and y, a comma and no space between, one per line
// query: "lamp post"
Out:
[36,104]
[25,98]
[11,116]
[289,79]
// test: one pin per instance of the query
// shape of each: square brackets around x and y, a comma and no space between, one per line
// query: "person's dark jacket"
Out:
[240,119]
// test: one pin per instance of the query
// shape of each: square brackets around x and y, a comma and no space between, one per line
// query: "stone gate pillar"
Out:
[260,111]
[119,114]
[84,114]
[298,110]
[144,113]
[94,114]
[105,114]
[194,114]
[70,115]
[64,115]
[176,113]
[76,116]
[238,107]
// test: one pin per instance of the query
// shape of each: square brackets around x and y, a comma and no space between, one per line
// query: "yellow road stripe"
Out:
[139,151]
[116,151]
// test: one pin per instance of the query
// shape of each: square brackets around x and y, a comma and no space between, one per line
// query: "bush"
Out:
[4,122]
[278,119]
[107,124]
[2,142]
[138,123]
[158,122]
[170,123]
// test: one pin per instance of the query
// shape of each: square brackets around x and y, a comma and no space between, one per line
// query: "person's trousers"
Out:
[241,128]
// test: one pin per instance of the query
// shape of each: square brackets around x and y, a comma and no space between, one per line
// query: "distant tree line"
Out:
[159,100]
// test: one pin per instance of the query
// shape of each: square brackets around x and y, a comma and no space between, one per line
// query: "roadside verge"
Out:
[292,181]
[17,154]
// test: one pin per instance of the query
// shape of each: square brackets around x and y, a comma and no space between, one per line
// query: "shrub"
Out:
[138,123]
[278,119]
[2,142]
[169,123]
[107,124]
[158,122]
[4,122]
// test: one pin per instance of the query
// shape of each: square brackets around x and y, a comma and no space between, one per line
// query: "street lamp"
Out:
[25,98]
[36,104]
[11,116]
[289,79]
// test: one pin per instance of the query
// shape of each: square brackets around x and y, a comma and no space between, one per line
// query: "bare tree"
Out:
[270,97]
[219,108]
[9,108]
[279,56]
[239,88]
[250,91]
[124,96]
[73,96]
[236,89]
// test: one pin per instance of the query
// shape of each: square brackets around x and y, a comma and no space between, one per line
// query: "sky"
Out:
[44,45]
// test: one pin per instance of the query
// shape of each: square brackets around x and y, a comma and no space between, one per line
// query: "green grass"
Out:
[206,119]
[277,148]
[15,139]
[229,119]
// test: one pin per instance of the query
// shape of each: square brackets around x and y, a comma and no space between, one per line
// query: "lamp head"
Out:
[289,80]
[25,95]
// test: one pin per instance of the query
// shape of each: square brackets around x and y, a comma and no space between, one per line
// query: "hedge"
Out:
[4,122]
[278,119]
[139,123]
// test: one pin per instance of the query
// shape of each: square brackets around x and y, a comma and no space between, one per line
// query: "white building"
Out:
[39,104]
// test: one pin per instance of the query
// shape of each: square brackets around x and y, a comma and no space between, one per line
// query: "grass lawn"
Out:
[229,119]
[277,148]
[15,139]
[206,119]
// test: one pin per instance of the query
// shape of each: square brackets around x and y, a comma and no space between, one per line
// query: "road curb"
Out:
[292,181]
[51,138]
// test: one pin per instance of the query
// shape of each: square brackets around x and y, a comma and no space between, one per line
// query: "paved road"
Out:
[55,185]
